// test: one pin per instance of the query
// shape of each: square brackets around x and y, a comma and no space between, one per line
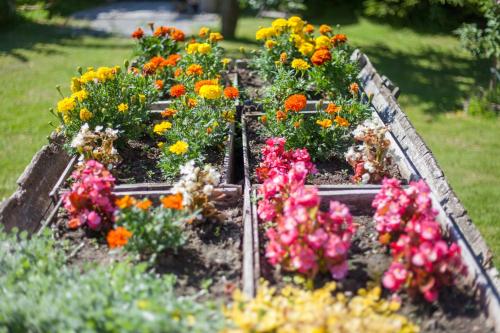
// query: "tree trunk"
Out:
[7,11]
[230,13]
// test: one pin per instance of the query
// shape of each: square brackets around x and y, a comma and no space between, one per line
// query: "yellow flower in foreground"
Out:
[300,64]
[85,114]
[325,123]
[279,25]
[75,85]
[226,61]
[204,48]
[123,107]
[142,98]
[203,32]
[210,91]
[162,127]
[296,24]
[179,148]
[66,104]
[296,310]
[264,33]
[215,37]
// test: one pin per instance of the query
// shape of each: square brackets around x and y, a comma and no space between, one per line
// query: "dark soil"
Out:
[457,310]
[251,81]
[211,258]
[140,162]
[335,171]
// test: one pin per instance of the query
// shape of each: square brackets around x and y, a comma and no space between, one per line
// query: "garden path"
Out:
[124,17]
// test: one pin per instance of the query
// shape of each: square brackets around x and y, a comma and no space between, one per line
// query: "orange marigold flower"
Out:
[138,33]
[354,88]
[191,103]
[339,39]
[325,29]
[263,118]
[161,31]
[199,84]
[125,202]
[171,60]
[177,35]
[296,103]
[157,61]
[309,29]
[297,124]
[209,130]
[173,201]
[283,57]
[168,112]
[231,92]
[144,204]
[177,90]
[118,237]
[159,84]
[178,72]
[194,69]
[342,122]
[74,223]
[149,68]
[320,57]
[215,37]
[325,123]
[280,115]
[333,108]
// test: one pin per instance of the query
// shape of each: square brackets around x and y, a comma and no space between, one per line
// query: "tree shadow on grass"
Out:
[43,37]
[438,80]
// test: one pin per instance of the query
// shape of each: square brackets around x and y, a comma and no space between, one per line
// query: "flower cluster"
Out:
[295,310]
[196,186]
[422,260]
[97,144]
[370,159]
[277,160]
[302,238]
[90,201]
[107,97]
[147,230]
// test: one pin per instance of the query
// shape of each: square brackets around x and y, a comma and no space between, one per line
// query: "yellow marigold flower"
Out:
[160,144]
[306,49]
[308,29]
[226,61]
[80,95]
[300,64]
[192,48]
[325,123]
[203,32]
[105,73]
[75,85]
[283,57]
[162,127]
[298,40]
[215,37]
[342,122]
[88,76]
[85,114]
[142,98]
[296,24]
[270,43]
[66,118]
[264,33]
[123,107]
[279,25]
[179,148]
[210,91]
[228,116]
[325,29]
[66,105]
[204,48]
[322,41]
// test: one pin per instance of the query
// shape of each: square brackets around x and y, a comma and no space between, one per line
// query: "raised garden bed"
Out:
[462,308]
[211,258]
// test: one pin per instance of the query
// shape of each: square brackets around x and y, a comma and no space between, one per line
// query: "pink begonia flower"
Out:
[93,220]
[339,271]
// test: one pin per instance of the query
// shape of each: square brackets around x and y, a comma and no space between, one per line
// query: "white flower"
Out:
[369,167]
[208,189]
[365,178]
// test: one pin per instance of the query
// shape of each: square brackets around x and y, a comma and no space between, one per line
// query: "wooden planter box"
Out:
[232,198]
[359,202]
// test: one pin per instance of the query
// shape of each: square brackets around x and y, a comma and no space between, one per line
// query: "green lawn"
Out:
[432,71]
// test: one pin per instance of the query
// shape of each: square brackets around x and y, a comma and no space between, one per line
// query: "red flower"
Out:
[339,39]
[231,92]
[177,35]
[296,103]
[138,33]
[177,90]
[161,31]
[320,57]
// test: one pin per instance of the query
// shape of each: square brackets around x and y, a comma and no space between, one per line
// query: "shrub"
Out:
[40,293]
